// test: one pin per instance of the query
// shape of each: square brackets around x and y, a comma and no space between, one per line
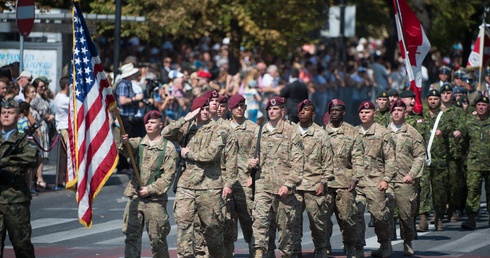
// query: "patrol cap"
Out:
[153,114]
[407,94]
[366,105]
[459,73]
[446,87]
[382,94]
[211,94]
[393,93]
[445,70]
[10,103]
[275,101]
[235,100]
[458,90]
[335,102]
[222,99]
[398,103]
[199,102]
[434,93]
[468,79]
[482,99]
[305,103]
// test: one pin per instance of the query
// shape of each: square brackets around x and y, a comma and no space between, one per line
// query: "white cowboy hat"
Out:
[128,70]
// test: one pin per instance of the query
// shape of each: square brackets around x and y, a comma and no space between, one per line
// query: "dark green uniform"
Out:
[383,117]
[15,197]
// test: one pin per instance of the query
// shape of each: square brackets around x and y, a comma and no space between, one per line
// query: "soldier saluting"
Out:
[17,155]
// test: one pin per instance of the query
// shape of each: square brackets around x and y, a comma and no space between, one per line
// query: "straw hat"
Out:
[128,70]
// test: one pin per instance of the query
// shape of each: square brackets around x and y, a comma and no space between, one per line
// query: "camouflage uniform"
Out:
[478,135]
[281,163]
[433,183]
[373,161]
[339,199]
[240,206]
[200,186]
[412,119]
[383,117]
[156,165]
[15,199]
[410,160]
[315,154]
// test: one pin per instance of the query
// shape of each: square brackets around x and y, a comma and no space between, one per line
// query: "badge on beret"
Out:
[273,102]
[384,94]
[485,99]
[366,105]
[434,92]
[215,94]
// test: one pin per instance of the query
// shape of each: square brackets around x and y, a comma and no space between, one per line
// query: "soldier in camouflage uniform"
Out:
[147,204]
[15,196]
[434,181]
[456,179]
[382,115]
[280,164]
[341,192]
[408,97]
[471,93]
[477,131]
[410,158]
[373,160]
[311,191]
[202,186]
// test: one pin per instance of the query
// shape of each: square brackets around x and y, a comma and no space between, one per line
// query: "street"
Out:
[57,232]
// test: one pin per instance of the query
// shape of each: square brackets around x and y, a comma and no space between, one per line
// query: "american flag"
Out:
[92,150]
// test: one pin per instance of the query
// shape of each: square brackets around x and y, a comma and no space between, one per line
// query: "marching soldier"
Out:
[15,196]
[373,164]
[410,158]
[382,115]
[147,205]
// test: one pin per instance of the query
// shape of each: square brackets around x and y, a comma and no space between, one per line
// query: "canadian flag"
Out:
[414,46]
[480,54]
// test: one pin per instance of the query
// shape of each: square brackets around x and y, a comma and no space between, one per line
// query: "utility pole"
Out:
[117,38]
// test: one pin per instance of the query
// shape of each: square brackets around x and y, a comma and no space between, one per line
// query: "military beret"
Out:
[459,73]
[199,102]
[235,100]
[381,94]
[366,105]
[204,74]
[393,92]
[468,79]
[10,103]
[222,99]
[153,114]
[483,99]
[407,94]
[275,101]
[458,90]
[335,102]
[434,93]
[304,103]
[444,70]
[211,94]
[398,103]
[446,87]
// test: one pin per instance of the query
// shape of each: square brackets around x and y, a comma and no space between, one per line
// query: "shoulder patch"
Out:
[420,121]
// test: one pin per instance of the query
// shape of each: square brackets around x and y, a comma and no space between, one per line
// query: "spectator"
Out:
[24,79]
[61,102]
[380,74]
[3,88]
[294,93]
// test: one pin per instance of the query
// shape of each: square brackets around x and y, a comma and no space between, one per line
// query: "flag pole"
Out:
[482,45]
[128,147]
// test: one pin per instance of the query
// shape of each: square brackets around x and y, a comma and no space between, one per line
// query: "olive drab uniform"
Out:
[434,180]
[316,154]
[373,161]
[157,162]
[199,190]
[410,160]
[15,196]
[339,199]
[383,117]
[280,164]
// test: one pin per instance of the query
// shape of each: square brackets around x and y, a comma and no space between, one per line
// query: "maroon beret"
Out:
[235,100]
[211,94]
[199,102]
[203,74]
[398,103]
[222,99]
[366,105]
[303,103]
[275,101]
[153,114]
[335,102]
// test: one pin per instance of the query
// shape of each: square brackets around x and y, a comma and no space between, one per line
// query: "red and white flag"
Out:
[93,152]
[480,55]
[414,46]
